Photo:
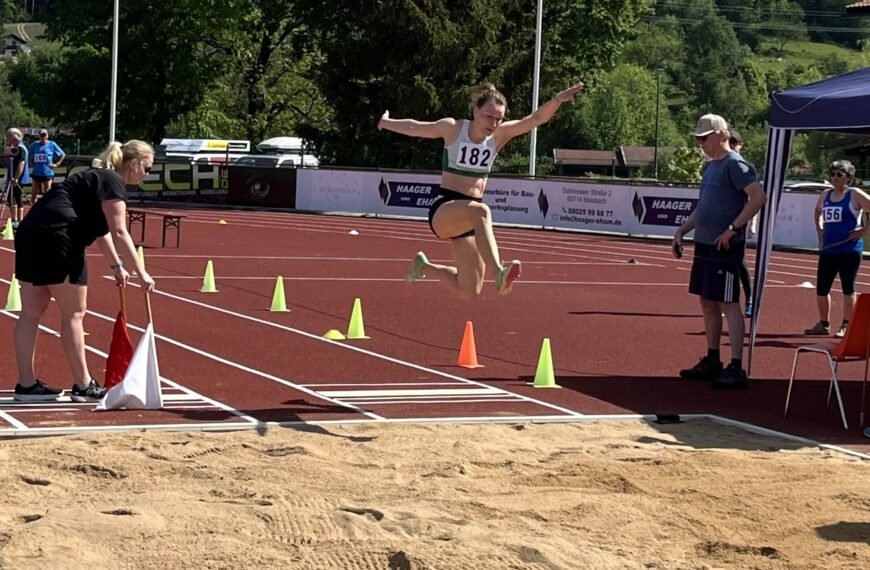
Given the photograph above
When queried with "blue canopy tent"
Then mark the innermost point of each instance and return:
(840, 104)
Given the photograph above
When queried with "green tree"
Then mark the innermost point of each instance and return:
(683, 165)
(418, 59)
(163, 68)
(785, 22)
(621, 111)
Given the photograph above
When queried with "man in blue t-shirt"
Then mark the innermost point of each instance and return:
(729, 196)
(45, 156)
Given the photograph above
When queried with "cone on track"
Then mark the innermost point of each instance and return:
(8, 234)
(140, 251)
(544, 375)
(208, 279)
(334, 334)
(222, 222)
(356, 329)
(13, 298)
(468, 350)
(279, 304)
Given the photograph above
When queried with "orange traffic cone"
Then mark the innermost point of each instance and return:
(468, 350)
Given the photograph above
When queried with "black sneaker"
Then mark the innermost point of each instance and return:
(37, 392)
(732, 378)
(706, 369)
(92, 393)
(747, 312)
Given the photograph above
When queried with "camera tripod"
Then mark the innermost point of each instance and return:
(7, 191)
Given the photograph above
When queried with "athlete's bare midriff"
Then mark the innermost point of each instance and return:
(469, 185)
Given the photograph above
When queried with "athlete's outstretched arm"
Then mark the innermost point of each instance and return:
(438, 130)
(544, 113)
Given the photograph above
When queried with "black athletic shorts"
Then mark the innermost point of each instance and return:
(449, 196)
(716, 273)
(14, 195)
(47, 256)
(830, 264)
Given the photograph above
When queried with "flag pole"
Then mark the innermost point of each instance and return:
(148, 306)
(123, 302)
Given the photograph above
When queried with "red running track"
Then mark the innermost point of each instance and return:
(619, 332)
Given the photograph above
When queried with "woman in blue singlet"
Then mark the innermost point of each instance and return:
(459, 214)
(839, 222)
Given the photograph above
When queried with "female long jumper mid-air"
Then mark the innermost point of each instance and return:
(459, 214)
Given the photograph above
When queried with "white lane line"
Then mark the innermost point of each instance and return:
(318, 338)
(247, 369)
(419, 393)
(215, 403)
(12, 421)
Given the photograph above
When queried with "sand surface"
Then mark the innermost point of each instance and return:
(591, 495)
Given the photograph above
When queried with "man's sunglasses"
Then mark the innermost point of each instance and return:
(837, 174)
(703, 138)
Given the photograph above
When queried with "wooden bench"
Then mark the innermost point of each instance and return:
(170, 220)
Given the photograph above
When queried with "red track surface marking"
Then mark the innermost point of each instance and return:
(619, 331)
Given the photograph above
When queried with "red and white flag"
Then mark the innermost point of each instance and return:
(120, 352)
(140, 388)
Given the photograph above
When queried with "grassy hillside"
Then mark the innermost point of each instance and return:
(807, 53)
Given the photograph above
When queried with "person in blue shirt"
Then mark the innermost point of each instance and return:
(728, 198)
(45, 156)
(838, 221)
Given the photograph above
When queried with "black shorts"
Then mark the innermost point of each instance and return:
(449, 196)
(37, 178)
(830, 264)
(716, 273)
(47, 256)
(13, 195)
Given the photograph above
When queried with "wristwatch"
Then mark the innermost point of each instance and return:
(732, 228)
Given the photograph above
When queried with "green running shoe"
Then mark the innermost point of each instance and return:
(505, 277)
(417, 266)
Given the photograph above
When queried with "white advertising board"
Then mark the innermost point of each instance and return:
(598, 207)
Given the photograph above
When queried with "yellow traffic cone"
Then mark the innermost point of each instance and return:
(13, 298)
(356, 329)
(544, 376)
(222, 222)
(208, 279)
(8, 234)
(279, 304)
(333, 334)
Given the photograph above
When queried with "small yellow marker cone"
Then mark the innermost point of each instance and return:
(8, 234)
(208, 279)
(356, 329)
(279, 304)
(334, 334)
(544, 376)
(222, 222)
(13, 298)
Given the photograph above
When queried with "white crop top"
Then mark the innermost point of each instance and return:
(469, 158)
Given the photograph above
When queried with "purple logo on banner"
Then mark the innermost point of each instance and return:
(407, 194)
(662, 211)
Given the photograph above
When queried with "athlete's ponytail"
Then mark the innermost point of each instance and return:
(483, 94)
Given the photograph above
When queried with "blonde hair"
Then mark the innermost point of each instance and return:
(116, 154)
(15, 133)
(483, 94)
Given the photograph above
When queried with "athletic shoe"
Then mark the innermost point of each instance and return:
(818, 328)
(706, 369)
(417, 266)
(748, 310)
(732, 378)
(37, 392)
(505, 277)
(841, 332)
(93, 392)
